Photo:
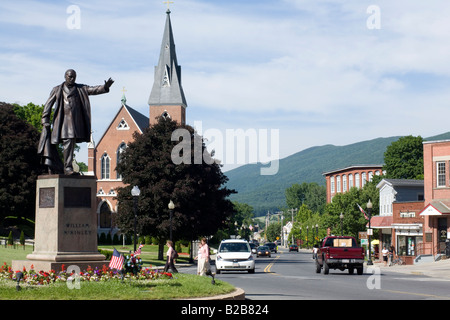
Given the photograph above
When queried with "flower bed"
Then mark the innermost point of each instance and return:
(32, 277)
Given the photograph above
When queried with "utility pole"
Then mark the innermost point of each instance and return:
(292, 221)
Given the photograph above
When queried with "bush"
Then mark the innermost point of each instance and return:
(10, 238)
(22, 238)
(106, 253)
(102, 238)
(108, 239)
(116, 239)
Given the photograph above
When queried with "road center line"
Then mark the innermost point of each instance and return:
(269, 266)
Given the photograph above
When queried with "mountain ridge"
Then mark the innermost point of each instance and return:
(266, 193)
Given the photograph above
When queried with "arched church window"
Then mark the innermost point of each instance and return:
(165, 115)
(120, 150)
(105, 216)
(123, 125)
(105, 166)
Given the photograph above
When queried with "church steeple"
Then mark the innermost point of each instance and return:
(167, 96)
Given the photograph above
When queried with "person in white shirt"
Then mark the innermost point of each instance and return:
(385, 253)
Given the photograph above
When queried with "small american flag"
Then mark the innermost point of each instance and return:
(138, 251)
(361, 209)
(116, 260)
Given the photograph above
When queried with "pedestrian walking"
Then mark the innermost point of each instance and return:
(198, 257)
(203, 260)
(385, 253)
(391, 254)
(171, 257)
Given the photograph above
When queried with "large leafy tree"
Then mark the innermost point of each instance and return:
(201, 201)
(310, 194)
(404, 158)
(31, 113)
(19, 165)
(347, 204)
(238, 224)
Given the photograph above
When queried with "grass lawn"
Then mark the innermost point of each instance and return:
(149, 254)
(8, 254)
(180, 287)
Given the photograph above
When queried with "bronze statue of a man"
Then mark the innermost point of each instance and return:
(71, 121)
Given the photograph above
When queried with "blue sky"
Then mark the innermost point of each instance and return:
(311, 69)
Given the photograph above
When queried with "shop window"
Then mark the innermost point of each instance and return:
(440, 170)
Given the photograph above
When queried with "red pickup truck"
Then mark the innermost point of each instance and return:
(340, 253)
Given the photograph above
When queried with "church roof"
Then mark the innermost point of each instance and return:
(141, 121)
(167, 89)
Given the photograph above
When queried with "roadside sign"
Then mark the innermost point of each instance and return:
(362, 235)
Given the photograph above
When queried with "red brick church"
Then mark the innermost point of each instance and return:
(166, 100)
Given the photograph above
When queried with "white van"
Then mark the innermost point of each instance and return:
(234, 255)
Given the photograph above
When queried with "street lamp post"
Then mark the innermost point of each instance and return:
(307, 236)
(171, 206)
(317, 232)
(300, 237)
(341, 216)
(369, 209)
(135, 192)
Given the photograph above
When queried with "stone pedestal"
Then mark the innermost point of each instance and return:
(66, 224)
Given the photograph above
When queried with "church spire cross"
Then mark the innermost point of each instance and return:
(124, 99)
(168, 5)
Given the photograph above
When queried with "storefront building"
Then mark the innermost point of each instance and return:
(401, 201)
(436, 213)
(407, 229)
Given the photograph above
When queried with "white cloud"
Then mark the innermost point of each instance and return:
(310, 68)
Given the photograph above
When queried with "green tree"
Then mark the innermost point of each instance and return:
(310, 194)
(201, 202)
(404, 158)
(30, 113)
(347, 204)
(305, 229)
(237, 224)
(273, 231)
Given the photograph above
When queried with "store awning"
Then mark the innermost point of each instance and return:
(436, 208)
(380, 222)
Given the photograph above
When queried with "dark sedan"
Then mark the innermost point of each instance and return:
(263, 251)
(272, 246)
(293, 247)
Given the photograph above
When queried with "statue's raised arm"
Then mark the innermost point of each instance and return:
(71, 120)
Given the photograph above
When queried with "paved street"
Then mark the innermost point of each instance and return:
(291, 276)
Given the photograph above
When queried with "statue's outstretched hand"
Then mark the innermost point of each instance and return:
(109, 82)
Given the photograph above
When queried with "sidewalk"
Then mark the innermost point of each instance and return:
(438, 269)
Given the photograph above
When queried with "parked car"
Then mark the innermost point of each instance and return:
(253, 247)
(272, 246)
(293, 247)
(234, 255)
(263, 251)
(340, 253)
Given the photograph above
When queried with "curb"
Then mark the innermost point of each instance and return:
(238, 294)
